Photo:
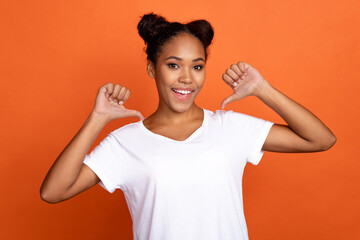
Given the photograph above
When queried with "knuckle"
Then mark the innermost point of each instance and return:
(102, 87)
(106, 86)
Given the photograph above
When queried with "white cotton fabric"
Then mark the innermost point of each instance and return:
(178, 190)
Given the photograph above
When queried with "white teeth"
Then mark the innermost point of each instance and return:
(182, 91)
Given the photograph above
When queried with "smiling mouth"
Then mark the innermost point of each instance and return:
(182, 92)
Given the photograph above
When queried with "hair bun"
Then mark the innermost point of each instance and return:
(155, 30)
(150, 25)
(203, 30)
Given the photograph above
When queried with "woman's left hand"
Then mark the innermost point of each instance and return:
(244, 80)
(304, 132)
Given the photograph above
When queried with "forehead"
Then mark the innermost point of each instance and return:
(183, 46)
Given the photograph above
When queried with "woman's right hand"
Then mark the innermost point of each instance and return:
(110, 100)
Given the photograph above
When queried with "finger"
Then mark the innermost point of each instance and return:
(126, 96)
(228, 80)
(102, 90)
(233, 75)
(243, 66)
(134, 113)
(233, 97)
(122, 94)
(109, 89)
(236, 69)
(228, 100)
(115, 92)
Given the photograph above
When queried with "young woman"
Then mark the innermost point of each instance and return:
(181, 168)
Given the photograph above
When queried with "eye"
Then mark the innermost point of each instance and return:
(173, 65)
(198, 67)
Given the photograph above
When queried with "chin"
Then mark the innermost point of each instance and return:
(181, 108)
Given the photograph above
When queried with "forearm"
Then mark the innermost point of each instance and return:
(300, 120)
(66, 167)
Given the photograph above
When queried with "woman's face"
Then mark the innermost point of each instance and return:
(179, 72)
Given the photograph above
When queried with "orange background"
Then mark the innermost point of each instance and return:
(56, 54)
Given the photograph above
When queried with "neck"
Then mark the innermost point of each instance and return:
(169, 116)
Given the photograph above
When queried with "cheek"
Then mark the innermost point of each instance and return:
(200, 78)
(165, 76)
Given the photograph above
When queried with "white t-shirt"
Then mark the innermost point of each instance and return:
(178, 190)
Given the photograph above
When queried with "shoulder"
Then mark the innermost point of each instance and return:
(126, 129)
(229, 115)
(235, 121)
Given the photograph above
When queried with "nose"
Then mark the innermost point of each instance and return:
(185, 77)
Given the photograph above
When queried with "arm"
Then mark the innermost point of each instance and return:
(304, 132)
(68, 176)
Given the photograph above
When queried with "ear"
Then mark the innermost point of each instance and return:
(151, 69)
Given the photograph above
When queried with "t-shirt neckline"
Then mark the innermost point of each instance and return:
(173, 140)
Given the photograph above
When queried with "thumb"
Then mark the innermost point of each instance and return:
(134, 113)
(228, 100)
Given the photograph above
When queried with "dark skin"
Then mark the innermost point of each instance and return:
(181, 65)
(179, 75)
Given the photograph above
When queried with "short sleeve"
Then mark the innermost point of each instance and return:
(257, 141)
(107, 162)
(250, 132)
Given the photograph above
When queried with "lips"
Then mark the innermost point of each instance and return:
(182, 93)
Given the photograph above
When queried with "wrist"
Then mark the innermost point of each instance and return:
(263, 90)
(98, 118)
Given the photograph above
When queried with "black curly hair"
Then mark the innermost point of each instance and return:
(156, 31)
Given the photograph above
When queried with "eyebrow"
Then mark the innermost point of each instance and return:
(180, 59)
